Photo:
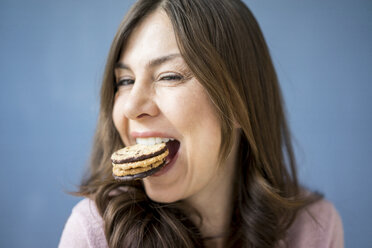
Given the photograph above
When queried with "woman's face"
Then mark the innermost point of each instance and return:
(158, 96)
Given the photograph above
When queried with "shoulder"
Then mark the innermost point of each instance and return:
(87, 211)
(318, 225)
(84, 227)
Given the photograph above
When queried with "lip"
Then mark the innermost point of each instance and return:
(149, 134)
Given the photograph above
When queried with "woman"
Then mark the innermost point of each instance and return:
(198, 72)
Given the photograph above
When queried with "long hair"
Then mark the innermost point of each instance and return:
(222, 44)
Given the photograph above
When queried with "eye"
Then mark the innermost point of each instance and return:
(125, 82)
(171, 77)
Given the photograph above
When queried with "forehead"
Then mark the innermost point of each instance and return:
(152, 37)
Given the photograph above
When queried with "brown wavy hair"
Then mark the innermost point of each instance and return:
(223, 46)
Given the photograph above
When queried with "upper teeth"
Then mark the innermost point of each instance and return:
(152, 140)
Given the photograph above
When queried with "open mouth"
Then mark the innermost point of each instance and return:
(150, 156)
(173, 147)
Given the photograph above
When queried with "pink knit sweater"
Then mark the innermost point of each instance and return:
(84, 228)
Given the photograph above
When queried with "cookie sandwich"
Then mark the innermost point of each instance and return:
(145, 158)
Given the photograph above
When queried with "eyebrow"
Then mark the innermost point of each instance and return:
(152, 63)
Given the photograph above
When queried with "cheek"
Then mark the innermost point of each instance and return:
(194, 116)
(202, 120)
(116, 116)
(205, 138)
(203, 143)
(119, 119)
(189, 109)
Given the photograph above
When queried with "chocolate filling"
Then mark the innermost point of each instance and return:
(139, 158)
(140, 175)
(172, 146)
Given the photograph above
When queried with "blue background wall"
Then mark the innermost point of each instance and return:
(52, 55)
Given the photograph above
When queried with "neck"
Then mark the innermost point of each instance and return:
(214, 203)
(215, 210)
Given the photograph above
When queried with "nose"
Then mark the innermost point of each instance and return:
(140, 101)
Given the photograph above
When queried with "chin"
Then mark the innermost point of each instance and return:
(168, 185)
(161, 196)
(162, 193)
